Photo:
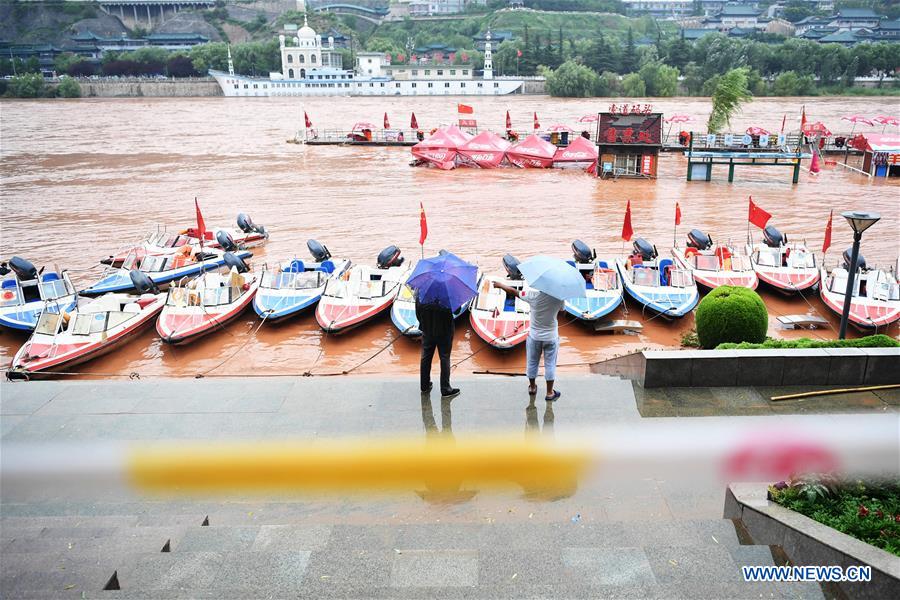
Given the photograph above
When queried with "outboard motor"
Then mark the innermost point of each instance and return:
(318, 251)
(23, 269)
(232, 260)
(142, 283)
(3, 269)
(511, 264)
(773, 238)
(389, 257)
(581, 253)
(860, 260)
(699, 240)
(226, 241)
(645, 249)
(246, 224)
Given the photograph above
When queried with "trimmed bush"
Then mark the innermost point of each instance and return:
(870, 341)
(731, 314)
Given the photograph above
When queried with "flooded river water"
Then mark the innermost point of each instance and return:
(82, 178)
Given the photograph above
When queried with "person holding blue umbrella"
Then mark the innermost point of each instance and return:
(553, 281)
(442, 285)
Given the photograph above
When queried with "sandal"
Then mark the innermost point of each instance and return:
(554, 397)
(532, 390)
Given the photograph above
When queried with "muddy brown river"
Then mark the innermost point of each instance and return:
(83, 178)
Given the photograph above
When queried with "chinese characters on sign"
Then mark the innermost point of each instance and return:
(633, 109)
(635, 129)
(468, 123)
(647, 164)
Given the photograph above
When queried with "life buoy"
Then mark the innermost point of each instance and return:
(8, 295)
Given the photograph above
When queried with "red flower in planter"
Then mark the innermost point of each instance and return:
(897, 518)
(862, 512)
(879, 514)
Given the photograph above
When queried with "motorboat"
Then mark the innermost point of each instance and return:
(498, 319)
(786, 266)
(403, 311)
(206, 303)
(164, 269)
(296, 285)
(602, 285)
(246, 235)
(875, 302)
(657, 284)
(27, 292)
(714, 265)
(361, 292)
(64, 339)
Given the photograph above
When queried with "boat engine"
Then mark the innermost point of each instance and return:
(318, 251)
(142, 283)
(226, 241)
(860, 260)
(581, 253)
(389, 257)
(645, 249)
(23, 269)
(246, 224)
(699, 240)
(3, 269)
(233, 260)
(773, 238)
(511, 264)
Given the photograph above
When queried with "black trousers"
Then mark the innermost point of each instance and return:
(443, 345)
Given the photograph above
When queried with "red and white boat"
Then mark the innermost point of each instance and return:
(361, 292)
(714, 265)
(876, 295)
(786, 266)
(498, 319)
(247, 235)
(205, 304)
(63, 340)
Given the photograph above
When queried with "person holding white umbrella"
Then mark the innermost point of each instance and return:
(553, 281)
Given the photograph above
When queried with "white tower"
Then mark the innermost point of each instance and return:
(230, 62)
(488, 61)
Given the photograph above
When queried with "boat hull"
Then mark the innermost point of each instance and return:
(865, 313)
(788, 282)
(120, 281)
(713, 279)
(338, 318)
(24, 317)
(180, 327)
(668, 303)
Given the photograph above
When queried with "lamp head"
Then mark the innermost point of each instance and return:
(861, 220)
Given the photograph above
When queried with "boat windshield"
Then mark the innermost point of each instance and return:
(51, 290)
(839, 284)
(680, 278)
(88, 323)
(801, 259)
(768, 257)
(217, 296)
(646, 277)
(406, 294)
(306, 280)
(605, 280)
(884, 288)
(154, 264)
(10, 293)
(48, 323)
(706, 262)
(739, 262)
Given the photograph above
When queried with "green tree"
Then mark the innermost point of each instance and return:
(609, 84)
(572, 80)
(730, 92)
(790, 83)
(629, 60)
(849, 77)
(693, 79)
(633, 86)
(65, 60)
(678, 53)
(27, 85)
(659, 80)
(68, 88)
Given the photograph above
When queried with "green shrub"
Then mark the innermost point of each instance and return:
(870, 341)
(731, 314)
(68, 88)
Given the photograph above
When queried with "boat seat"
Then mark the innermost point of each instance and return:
(571, 262)
(9, 283)
(664, 264)
(296, 266)
(510, 304)
(603, 264)
(49, 277)
(144, 302)
(131, 307)
(588, 284)
(326, 267)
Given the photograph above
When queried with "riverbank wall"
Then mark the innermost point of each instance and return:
(151, 88)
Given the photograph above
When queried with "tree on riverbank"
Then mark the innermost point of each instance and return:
(730, 92)
(573, 80)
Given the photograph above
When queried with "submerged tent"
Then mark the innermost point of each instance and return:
(581, 152)
(532, 152)
(441, 147)
(485, 150)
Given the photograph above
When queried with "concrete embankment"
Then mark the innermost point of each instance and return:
(129, 88)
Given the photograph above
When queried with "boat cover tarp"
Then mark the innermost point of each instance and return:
(882, 142)
(440, 148)
(532, 152)
(581, 150)
(485, 150)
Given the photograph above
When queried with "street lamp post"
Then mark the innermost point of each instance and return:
(859, 221)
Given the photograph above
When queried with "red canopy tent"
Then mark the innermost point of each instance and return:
(441, 147)
(532, 152)
(485, 150)
(581, 152)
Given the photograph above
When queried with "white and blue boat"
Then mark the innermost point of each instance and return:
(602, 285)
(658, 284)
(26, 293)
(295, 286)
(403, 312)
(162, 270)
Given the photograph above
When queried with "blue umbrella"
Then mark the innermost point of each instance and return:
(553, 276)
(446, 280)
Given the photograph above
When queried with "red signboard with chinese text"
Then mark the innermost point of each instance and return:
(630, 109)
(468, 123)
(647, 164)
(630, 129)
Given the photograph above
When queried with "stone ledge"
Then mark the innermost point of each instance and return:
(808, 542)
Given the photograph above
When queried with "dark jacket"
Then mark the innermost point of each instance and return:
(435, 321)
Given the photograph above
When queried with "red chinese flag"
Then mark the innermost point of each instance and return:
(413, 124)
(518, 53)
(508, 121)
(465, 109)
(306, 118)
(802, 118)
(537, 124)
(827, 243)
(758, 216)
(627, 231)
(677, 214)
(387, 124)
(423, 225)
(201, 225)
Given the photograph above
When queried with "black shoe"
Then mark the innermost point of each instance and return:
(451, 393)
(429, 388)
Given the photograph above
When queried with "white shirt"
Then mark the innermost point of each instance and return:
(544, 308)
